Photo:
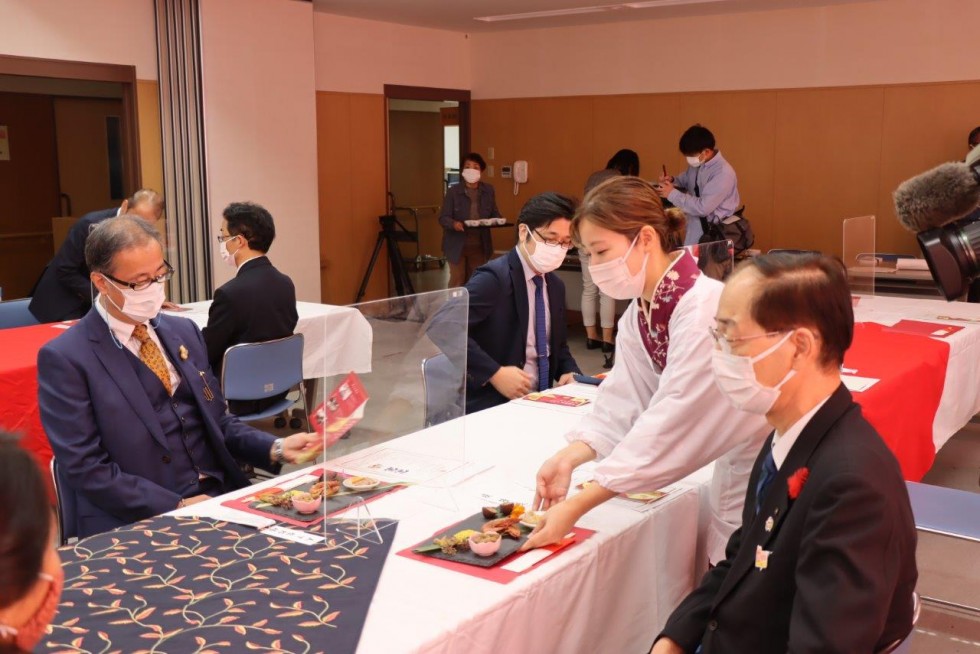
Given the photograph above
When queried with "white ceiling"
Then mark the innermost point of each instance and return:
(461, 15)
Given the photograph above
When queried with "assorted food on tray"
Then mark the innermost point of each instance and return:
(328, 493)
(485, 538)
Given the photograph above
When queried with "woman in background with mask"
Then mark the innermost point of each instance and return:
(467, 248)
(30, 569)
(624, 162)
(659, 416)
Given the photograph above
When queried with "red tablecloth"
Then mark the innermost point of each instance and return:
(18, 387)
(902, 405)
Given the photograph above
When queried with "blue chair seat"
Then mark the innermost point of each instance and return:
(15, 313)
(258, 371)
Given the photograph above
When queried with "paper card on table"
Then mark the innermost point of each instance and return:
(556, 399)
(858, 384)
(528, 560)
(390, 464)
(301, 537)
(337, 415)
(918, 327)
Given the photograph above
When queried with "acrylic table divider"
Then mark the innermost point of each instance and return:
(417, 379)
(860, 255)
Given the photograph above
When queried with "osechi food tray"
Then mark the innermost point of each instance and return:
(329, 492)
(478, 533)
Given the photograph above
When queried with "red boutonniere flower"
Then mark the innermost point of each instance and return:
(796, 481)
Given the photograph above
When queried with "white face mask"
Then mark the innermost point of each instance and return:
(693, 162)
(735, 376)
(471, 175)
(615, 280)
(226, 256)
(545, 258)
(143, 305)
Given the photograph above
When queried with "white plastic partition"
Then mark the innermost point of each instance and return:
(860, 254)
(415, 385)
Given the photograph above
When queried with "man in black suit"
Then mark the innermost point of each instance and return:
(63, 291)
(825, 557)
(259, 304)
(514, 347)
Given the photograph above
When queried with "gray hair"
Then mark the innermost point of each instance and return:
(148, 196)
(114, 235)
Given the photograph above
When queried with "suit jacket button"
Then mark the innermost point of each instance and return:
(165, 459)
(713, 625)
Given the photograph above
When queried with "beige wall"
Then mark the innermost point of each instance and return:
(361, 56)
(100, 31)
(260, 120)
(883, 42)
(806, 159)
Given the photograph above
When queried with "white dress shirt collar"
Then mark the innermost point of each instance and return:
(238, 269)
(123, 331)
(783, 443)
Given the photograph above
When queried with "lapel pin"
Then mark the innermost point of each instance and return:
(770, 523)
(761, 557)
(183, 353)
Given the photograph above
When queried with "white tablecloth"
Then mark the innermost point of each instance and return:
(610, 593)
(960, 400)
(336, 340)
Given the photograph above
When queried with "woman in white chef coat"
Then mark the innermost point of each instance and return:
(658, 416)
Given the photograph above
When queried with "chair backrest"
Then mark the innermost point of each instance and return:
(255, 371)
(443, 388)
(65, 504)
(15, 313)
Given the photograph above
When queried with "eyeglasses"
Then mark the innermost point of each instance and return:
(726, 343)
(565, 245)
(224, 237)
(145, 284)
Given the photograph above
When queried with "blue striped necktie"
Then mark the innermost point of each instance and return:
(541, 334)
(766, 475)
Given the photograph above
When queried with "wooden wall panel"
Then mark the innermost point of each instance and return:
(744, 125)
(828, 153)
(924, 126)
(648, 124)
(416, 161)
(151, 145)
(351, 169)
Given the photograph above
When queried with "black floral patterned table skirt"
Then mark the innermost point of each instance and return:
(195, 585)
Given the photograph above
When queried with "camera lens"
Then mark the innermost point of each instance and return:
(953, 255)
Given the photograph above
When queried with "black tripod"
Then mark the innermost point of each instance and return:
(392, 233)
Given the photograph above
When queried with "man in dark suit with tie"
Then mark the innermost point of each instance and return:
(135, 417)
(825, 558)
(63, 291)
(517, 330)
(259, 303)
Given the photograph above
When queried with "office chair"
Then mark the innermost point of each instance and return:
(14, 313)
(442, 387)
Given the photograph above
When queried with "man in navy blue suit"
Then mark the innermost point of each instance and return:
(134, 414)
(63, 291)
(517, 327)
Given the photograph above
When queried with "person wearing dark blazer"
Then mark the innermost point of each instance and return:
(63, 291)
(259, 303)
(135, 417)
(511, 351)
(824, 560)
(467, 248)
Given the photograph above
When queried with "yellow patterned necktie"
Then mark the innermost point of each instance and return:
(151, 355)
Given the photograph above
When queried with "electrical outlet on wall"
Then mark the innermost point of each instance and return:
(505, 172)
(490, 171)
(490, 153)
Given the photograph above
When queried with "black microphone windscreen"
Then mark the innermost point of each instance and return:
(936, 197)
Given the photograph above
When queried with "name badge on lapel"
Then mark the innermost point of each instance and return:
(770, 523)
(182, 352)
(208, 393)
(761, 557)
